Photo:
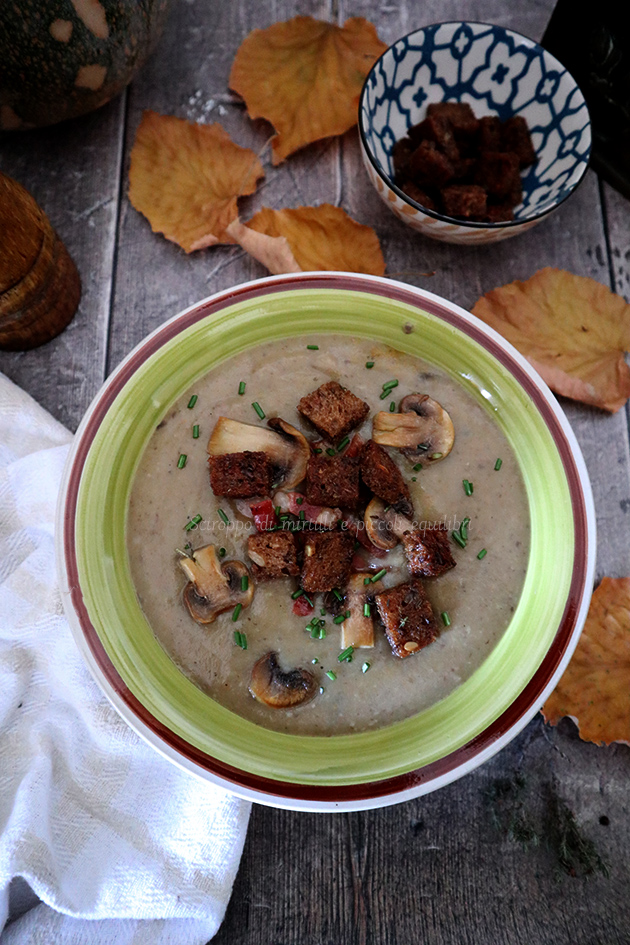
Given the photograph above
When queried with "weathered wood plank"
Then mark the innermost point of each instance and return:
(189, 78)
(617, 209)
(73, 171)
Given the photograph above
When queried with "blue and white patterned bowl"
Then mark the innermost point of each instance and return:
(497, 72)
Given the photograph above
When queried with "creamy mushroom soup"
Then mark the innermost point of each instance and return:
(475, 492)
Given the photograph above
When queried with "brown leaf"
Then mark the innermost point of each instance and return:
(573, 330)
(322, 237)
(273, 252)
(305, 76)
(595, 688)
(186, 177)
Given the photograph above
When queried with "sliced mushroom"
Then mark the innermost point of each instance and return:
(384, 526)
(422, 430)
(358, 629)
(286, 447)
(279, 689)
(214, 587)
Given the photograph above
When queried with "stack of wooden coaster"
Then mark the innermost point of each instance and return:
(39, 283)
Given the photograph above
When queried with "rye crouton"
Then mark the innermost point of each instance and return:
(428, 551)
(240, 475)
(333, 410)
(464, 200)
(274, 555)
(516, 138)
(408, 617)
(332, 481)
(383, 477)
(327, 561)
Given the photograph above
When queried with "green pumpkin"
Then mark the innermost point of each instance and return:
(63, 58)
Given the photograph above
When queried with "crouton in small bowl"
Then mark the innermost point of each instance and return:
(472, 133)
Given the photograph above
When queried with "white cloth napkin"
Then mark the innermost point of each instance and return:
(120, 845)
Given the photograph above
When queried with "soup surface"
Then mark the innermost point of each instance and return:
(374, 688)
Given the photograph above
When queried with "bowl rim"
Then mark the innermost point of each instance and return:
(374, 793)
(469, 224)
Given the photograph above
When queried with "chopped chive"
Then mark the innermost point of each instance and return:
(222, 552)
(482, 553)
(321, 690)
(302, 515)
(331, 675)
(181, 462)
(299, 500)
(369, 364)
(237, 637)
(314, 660)
(243, 641)
(296, 594)
(192, 401)
(365, 667)
(323, 611)
(367, 580)
(468, 486)
(307, 599)
(237, 612)
(259, 410)
(223, 516)
(241, 388)
(413, 479)
(191, 524)
(244, 582)
(367, 610)
(315, 633)
(349, 650)
(339, 618)
(417, 467)
(331, 452)
(389, 385)
(446, 620)
(347, 614)
(458, 538)
(343, 444)
(463, 528)
(379, 575)
(317, 451)
(322, 633)
(196, 432)
(313, 347)
(337, 593)
(392, 406)
(436, 455)
(498, 464)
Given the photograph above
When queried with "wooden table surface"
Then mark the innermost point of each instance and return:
(437, 869)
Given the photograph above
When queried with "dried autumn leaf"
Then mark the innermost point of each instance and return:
(572, 329)
(305, 76)
(186, 177)
(595, 688)
(322, 237)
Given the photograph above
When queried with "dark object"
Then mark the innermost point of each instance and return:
(333, 410)
(39, 283)
(60, 59)
(327, 561)
(332, 481)
(428, 551)
(383, 477)
(467, 168)
(274, 555)
(240, 475)
(592, 41)
(407, 614)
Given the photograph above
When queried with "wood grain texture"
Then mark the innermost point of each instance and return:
(73, 171)
(432, 870)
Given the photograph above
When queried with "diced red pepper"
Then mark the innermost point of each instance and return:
(264, 515)
(301, 607)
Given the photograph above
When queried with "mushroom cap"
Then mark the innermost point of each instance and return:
(277, 688)
(384, 525)
(287, 449)
(423, 430)
(214, 587)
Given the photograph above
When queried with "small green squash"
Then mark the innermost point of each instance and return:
(63, 58)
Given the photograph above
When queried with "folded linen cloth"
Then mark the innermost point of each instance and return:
(119, 844)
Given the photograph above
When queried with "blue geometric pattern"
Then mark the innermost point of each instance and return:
(498, 72)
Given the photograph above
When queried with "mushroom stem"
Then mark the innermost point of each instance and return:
(358, 629)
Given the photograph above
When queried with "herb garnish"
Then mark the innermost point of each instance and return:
(259, 410)
(181, 462)
(193, 400)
